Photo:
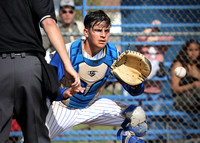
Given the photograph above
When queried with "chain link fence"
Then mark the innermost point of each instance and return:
(168, 24)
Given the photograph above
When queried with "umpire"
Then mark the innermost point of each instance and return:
(21, 74)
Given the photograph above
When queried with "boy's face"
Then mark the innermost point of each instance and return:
(98, 35)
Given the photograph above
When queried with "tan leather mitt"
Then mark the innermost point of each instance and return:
(131, 68)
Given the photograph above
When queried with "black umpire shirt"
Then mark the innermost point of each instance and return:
(19, 24)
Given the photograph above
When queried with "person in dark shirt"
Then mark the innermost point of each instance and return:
(186, 90)
(21, 73)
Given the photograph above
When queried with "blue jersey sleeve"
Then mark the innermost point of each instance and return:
(134, 90)
(60, 97)
(56, 61)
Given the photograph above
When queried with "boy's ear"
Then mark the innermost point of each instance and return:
(86, 32)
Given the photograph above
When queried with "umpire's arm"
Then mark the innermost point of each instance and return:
(50, 27)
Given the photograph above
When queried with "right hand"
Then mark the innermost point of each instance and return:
(71, 91)
(73, 78)
(196, 84)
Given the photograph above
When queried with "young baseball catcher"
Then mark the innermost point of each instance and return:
(95, 59)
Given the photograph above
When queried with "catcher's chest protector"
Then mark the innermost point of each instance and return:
(93, 73)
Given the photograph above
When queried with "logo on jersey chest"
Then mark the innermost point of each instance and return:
(92, 73)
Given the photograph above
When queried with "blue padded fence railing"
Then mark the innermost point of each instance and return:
(135, 43)
(154, 7)
(107, 135)
(148, 43)
(110, 135)
(85, 7)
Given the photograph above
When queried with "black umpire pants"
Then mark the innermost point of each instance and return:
(21, 93)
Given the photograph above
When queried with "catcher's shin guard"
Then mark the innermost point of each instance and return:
(134, 123)
(132, 139)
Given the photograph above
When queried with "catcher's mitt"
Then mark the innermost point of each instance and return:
(131, 68)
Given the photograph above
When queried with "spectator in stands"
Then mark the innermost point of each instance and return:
(66, 23)
(155, 53)
(186, 90)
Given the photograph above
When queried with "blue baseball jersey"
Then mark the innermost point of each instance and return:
(93, 73)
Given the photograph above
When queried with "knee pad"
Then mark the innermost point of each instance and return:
(132, 139)
(135, 114)
(135, 122)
